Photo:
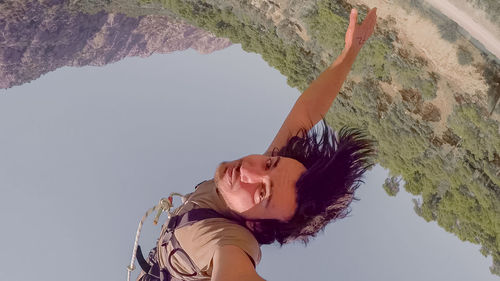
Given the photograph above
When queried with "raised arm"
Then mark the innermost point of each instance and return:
(315, 101)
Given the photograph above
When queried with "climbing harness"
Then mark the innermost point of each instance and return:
(152, 267)
(153, 270)
(164, 205)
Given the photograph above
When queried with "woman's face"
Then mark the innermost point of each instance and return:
(259, 186)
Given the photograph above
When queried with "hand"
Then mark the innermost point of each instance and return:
(357, 34)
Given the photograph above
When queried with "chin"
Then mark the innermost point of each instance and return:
(219, 173)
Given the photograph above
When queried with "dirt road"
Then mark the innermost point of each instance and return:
(476, 30)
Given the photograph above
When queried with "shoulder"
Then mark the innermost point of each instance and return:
(217, 232)
(231, 263)
(203, 238)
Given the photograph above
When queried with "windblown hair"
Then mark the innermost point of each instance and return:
(335, 165)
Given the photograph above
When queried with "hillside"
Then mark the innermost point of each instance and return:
(41, 36)
(419, 87)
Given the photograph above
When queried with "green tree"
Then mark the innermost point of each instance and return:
(391, 185)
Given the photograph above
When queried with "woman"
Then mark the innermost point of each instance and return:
(304, 180)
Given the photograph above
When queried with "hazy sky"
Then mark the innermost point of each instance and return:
(84, 152)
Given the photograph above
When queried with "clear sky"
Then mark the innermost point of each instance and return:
(84, 152)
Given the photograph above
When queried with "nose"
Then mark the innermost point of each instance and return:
(251, 173)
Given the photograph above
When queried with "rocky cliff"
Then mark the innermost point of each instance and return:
(41, 36)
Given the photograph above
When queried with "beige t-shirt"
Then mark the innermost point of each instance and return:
(201, 239)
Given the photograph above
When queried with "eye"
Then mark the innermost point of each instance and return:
(262, 193)
(269, 162)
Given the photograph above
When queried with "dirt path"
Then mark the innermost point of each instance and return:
(475, 29)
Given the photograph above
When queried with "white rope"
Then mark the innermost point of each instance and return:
(164, 205)
(131, 267)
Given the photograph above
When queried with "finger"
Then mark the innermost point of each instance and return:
(371, 19)
(353, 19)
(372, 15)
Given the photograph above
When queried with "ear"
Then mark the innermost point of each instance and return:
(253, 225)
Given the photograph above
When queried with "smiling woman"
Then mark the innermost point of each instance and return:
(334, 167)
(259, 186)
(89, 148)
(304, 180)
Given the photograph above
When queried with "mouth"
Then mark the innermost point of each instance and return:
(229, 176)
(232, 173)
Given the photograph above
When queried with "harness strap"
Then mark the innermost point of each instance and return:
(191, 217)
(188, 218)
(142, 261)
(176, 222)
(153, 272)
(176, 247)
(150, 266)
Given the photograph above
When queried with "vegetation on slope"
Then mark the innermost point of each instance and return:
(491, 7)
(456, 174)
(298, 64)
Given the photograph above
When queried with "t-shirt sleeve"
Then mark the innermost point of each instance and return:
(238, 235)
(202, 239)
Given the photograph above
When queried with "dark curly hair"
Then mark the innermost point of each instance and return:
(335, 165)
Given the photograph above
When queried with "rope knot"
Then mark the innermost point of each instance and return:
(164, 205)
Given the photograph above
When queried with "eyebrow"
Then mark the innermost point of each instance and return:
(268, 200)
(277, 161)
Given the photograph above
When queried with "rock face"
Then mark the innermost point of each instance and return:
(41, 36)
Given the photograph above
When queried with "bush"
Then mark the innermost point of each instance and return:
(464, 56)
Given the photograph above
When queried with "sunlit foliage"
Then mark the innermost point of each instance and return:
(391, 186)
(455, 174)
